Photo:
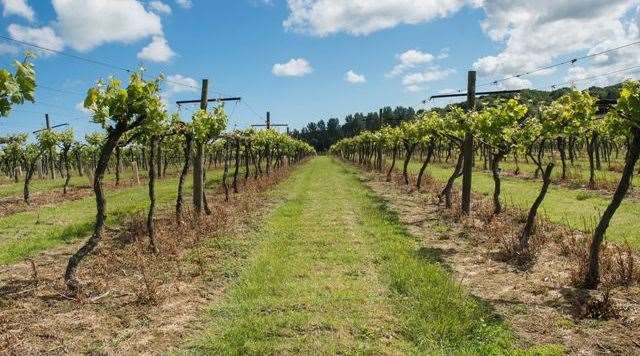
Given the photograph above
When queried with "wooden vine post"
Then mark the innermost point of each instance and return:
(467, 168)
(198, 161)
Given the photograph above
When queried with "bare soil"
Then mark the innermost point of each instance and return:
(132, 302)
(538, 303)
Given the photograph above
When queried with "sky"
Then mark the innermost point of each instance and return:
(307, 60)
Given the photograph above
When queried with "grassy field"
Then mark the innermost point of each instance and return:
(9, 189)
(335, 273)
(576, 208)
(23, 234)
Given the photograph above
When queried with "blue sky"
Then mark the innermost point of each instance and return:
(313, 59)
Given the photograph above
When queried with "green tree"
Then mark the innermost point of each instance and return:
(18, 87)
(66, 140)
(497, 126)
(118, 110)
(624, 118)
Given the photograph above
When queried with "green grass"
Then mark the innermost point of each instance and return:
(39, 185)
(577, 173)
(335, 273)
(26, 233)
(570, 207)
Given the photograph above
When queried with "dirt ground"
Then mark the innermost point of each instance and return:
(538, 304)
(132, 302)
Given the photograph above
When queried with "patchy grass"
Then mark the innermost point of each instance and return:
(335, 273)
(25, 233)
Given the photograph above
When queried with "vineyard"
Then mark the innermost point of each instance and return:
(504, 224)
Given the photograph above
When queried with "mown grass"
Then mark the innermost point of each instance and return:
(569, 207)
(335, 273)
(26, 233)
(46, 184)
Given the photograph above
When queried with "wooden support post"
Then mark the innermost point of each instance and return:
(136, 173)
(52, 168)
(198, 158)
(467, 168)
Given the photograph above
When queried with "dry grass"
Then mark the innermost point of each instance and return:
(539, 302)
(132, 300)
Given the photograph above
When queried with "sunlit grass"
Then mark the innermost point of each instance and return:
(335, 273)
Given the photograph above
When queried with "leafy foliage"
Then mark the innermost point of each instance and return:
(18, 87)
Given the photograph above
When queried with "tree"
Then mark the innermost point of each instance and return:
(497, 126)
(30, 156)
(48, 140)
(577, 118)
(392, 137)
(431, 127)
(535, 132)
(19, 87)
(66, 140)
(410, 138)
(456, 124)
(185, 132)
(12, 153)
(118, 110)
(149, 134)
(206, 126)
(624, 118)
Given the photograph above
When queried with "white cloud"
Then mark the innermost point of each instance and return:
(185, 4)
(80, 107)
(8, 49)
(448, 91)
(157, 51)
(85, 25)
(43, 36)
(178, 83)
(414, 88)
(354, 78)
(17, 7)
(538, 33)
(294, 68)
(515, 83)
(409, 59)
(429, 75)
(444, 53)
(414, 82)
(159, 7)
(362, 17)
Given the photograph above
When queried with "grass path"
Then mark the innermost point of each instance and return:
(23, 234)
(335, 273)
(574, 208)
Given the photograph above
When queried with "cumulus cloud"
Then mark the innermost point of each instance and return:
(409, 59)
(353, 78)
(414, 81)
(178, 83)
(42, 36)
(185, 4)
(157, 51)
(85, 25)
(538, 33)
(159, 7)
(362, 17)
(80, 107)
(294, 68)
(18, 8)
(8, 49)
(429, 75)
